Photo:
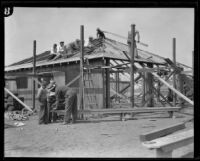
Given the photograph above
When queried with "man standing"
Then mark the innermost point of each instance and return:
(42, 98)
(70, 101)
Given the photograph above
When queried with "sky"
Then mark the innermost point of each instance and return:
(157, 28)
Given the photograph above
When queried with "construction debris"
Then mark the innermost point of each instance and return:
(15, 115)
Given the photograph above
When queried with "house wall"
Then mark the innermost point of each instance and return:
(67, 72)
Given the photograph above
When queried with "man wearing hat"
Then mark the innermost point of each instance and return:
(42, 98)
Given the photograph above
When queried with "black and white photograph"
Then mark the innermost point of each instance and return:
(99, 82)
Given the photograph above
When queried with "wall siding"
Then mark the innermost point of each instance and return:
(68, 73)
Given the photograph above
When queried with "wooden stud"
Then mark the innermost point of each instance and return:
(193, 62)
(174, 75)
(149, 86)
(104, 87)
(107, 72)
(132, 53)
(180, 88)
(34, 71)
(81, 92)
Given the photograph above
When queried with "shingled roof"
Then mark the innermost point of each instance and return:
(100, 49)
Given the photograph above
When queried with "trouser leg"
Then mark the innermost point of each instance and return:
(46, 116)
(50, 105)
(69, 100)
(74, 110)
(42, 113)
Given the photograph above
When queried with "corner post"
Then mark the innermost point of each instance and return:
(132, 53)
(34, 64)
(107, 71)
(174, 75)
(81, 83)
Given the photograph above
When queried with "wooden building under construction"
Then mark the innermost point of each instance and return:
(106, 74)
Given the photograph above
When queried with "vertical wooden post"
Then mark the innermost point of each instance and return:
(174, 75)
(117, 84)
(132, 53)
(180, 88)
(193, 62)
(34, 64)
(144, 89)
(149, 86)
(104, 86)
(81, 83)
(107, 84)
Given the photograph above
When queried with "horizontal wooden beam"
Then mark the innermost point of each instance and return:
(161, 132)
(125, 110)
(129, 110)
(187, 72)
(123, 82)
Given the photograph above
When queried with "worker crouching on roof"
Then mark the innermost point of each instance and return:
(70, 101)
(42, 98)
(100, 34)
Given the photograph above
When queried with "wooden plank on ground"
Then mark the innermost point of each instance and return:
(161, 132)
(190, 154)
(171, 142)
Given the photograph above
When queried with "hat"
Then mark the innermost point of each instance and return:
(98, 29)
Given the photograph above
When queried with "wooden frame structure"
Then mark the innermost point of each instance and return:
(147, 71)
(130, 65)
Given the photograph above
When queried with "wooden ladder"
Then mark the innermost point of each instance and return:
(90, 98)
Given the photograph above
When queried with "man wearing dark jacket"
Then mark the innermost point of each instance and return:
(42, 98)
(100, 34)
(67, 96)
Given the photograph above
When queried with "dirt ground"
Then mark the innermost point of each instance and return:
(106, 137)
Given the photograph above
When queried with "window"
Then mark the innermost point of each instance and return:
(22, 82)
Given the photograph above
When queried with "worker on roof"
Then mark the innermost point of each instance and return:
(53, 52)
(100, 34)
(61, 51)
(89, 43)
(72, 47)
(42, 98)
(77, 44)
(68, 97)
(54, 49)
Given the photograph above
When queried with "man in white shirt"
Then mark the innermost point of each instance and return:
(61, 49)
